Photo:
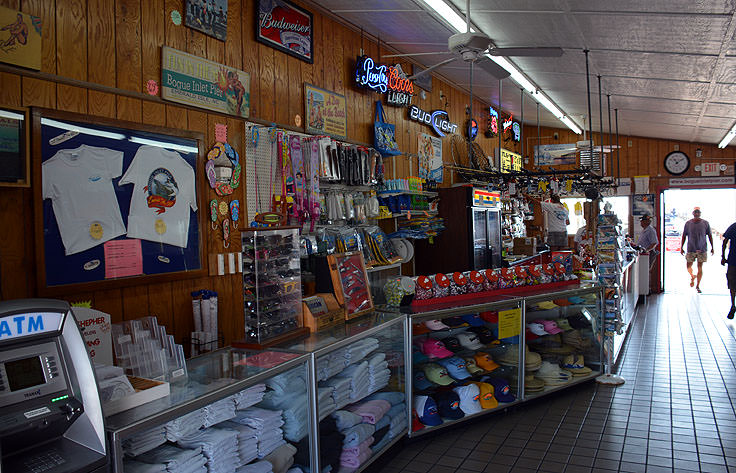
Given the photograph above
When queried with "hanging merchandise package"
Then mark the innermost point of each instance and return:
(371, 206)
(384, 134)
(383, 246)
(359, 205)
(368, 255)
(349, 239)
(349, 208)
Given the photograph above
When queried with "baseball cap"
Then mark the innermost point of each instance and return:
(415, 424)
(435, 349)
(646, 217)
(469, 398)
(502, 390)
(437, 374)
(550, 326)
(455, 367)
(491, 317)
(469, 340)
(473, 320)
(420, 380)
(484, 360)
(536, 328)
(563, 324)
(419, 329)
(529, 335)
(487, 400)
(472, 367)
(435, 325)
(484, 334)
(448, 405)
(454, 321)
(427, 411)
(452, 344)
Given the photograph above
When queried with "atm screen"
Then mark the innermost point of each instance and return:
(24, 373)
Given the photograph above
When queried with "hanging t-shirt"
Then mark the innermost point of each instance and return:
(79, 184)
(163, 194)
(557, 216)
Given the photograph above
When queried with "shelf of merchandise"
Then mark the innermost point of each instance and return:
(389, 193)
(391, 329)
(211, 377)
(384, 267)
(593, 295)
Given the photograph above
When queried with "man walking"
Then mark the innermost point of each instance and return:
(696, 229)
(730, 235)
(648, 240)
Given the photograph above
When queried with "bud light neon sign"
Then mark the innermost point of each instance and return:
(437, 119)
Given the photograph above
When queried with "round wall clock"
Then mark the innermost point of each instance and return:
(676, 163)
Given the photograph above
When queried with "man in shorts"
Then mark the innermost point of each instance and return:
(730, 235)
(696, 230)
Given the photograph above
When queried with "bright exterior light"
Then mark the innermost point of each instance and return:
(450, 15)
(727, 139)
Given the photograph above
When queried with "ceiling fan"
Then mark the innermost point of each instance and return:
(476, 47)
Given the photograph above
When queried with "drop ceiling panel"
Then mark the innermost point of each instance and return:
(715, 109)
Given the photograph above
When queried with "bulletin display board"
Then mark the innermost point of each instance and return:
(81, 238)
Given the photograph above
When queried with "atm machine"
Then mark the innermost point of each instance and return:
(51, 418)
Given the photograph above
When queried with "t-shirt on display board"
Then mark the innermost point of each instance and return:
(117, 202)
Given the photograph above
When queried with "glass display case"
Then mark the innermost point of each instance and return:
(237, 407)
(360, 389)
(271, 282)
(564, 339)
(465, 361)
(493, 352)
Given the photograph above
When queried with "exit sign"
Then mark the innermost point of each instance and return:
(710, 169)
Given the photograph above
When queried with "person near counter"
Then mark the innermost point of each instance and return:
(583, 240)
(648, 240)
(696, 230)
(730, 235)
(558, 218)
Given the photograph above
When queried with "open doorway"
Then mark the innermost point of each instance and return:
(718, 207)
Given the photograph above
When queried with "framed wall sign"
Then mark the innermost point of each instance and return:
(209, 17)
(286, 27)
(195, 81)
(325, 112)
(115, 202)
(15, 169)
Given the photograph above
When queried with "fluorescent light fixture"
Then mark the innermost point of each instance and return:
(81, 129)
(164, 144)
(458, 22)
(727, 139)
(12, 115)
(449, 15)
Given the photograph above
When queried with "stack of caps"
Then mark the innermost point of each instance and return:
(487, 398)
(184, 425)
(455, 367)
(531, 383)
(434, 349)
(426, 411)
(484, 361)
(144, 441)
(266, 424)
(448, 405)
(501, 389)
(219, 446)
(576, 365)
(219, 411)
(249, 397)
(378, 372)
(175, 459)
(469, 398)
(511, 358)
(247, 441)
(437, 374)
(553, 375)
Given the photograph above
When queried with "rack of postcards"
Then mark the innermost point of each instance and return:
(610, 244)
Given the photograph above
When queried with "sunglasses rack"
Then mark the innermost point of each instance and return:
(272, 293)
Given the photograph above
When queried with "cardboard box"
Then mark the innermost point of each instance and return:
(525, 246)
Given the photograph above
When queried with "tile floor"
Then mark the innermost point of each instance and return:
(675, 412)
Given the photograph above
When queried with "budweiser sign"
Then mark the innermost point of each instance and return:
(286, 27)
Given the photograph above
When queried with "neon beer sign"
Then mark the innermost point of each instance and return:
(383, 79)
(437, 119)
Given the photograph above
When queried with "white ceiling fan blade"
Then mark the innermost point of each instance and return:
(530, 52)
(431, 68)
(493, 69)
(417, 54)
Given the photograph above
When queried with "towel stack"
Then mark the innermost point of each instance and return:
(184, 425)
(249, 397)
(175, 459)
(219, 446)
(144, 441)
(261, 466)
(360, 349)
(378, 372)
(219, 411)
(266, 425)
(247, 441)
(132, 466)
(283, 396)
(393, 423)
(331, 364)
(288, 382)
(340, 390)
(356, 446)
(325, 401)
(359, 382)
(282, 458)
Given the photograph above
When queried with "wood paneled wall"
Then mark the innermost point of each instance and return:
(117, 43)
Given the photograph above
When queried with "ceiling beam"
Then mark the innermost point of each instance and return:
(715, 73)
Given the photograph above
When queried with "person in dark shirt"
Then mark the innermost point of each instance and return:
(730, 235)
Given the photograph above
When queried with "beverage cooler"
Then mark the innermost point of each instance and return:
(472, 236)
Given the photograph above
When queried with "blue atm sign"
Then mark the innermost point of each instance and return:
(21, 325)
